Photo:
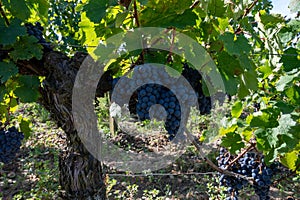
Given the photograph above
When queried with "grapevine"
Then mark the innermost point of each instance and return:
(255, 52)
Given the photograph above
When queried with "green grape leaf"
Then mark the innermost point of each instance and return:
(246, 62)
(284, 107)
(2, 92)
(285, 81)
(290, 142)
(266, 118)
(18, 8)
(231, 85)
(289, 61)
(237, 109)
(233, 142)
(90, 35)
(243, 90)
(265, 139)
(169, 19)
(285, 124)
(270, 20)
(25, 124)
(26, 48)
(247, 134)
(223, 23)
(290, 159)
(271, 156)
(249, 78)
(293, 93)
(7, 70)
(28, 88)
(155, 57)
(143, 2)
(8, 35)
(228, 126)
(96, 10)
(294, 25)
(3, 112)
(285, 35)
(164, 6)
(235, 46)
(39, 9)
(120, 18)
(216, 8)
(266, 70)
(13, 105)
(229, 64)
(208, 30)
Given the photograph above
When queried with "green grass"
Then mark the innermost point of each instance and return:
(35, 173)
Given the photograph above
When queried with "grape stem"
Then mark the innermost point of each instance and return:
(169, 59)
(252, 145)
(3, 14)
(246, 12)
(136, 16)
(195, 4)
(195, 142)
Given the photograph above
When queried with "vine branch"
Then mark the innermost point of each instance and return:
(195, 142)
(246, 12)
(195, 4)
(169, 59)
(136, 16)
(241, 155)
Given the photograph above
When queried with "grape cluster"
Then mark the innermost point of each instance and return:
(151, 94)
(153, 86)
(10, 142)
(195, 80)
(234, 184)
(250, 165)
(263, 179)
(37, 31)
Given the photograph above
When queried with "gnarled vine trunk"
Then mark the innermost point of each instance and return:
(81, 174)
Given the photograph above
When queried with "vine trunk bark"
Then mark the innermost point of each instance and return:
(81, 175)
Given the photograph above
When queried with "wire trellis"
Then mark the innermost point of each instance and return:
(161, 174)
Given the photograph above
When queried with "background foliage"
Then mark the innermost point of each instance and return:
(256, 52)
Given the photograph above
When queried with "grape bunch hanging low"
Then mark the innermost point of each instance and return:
(10, 143)
(250, 165)
(195, 80)
(151, 94)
